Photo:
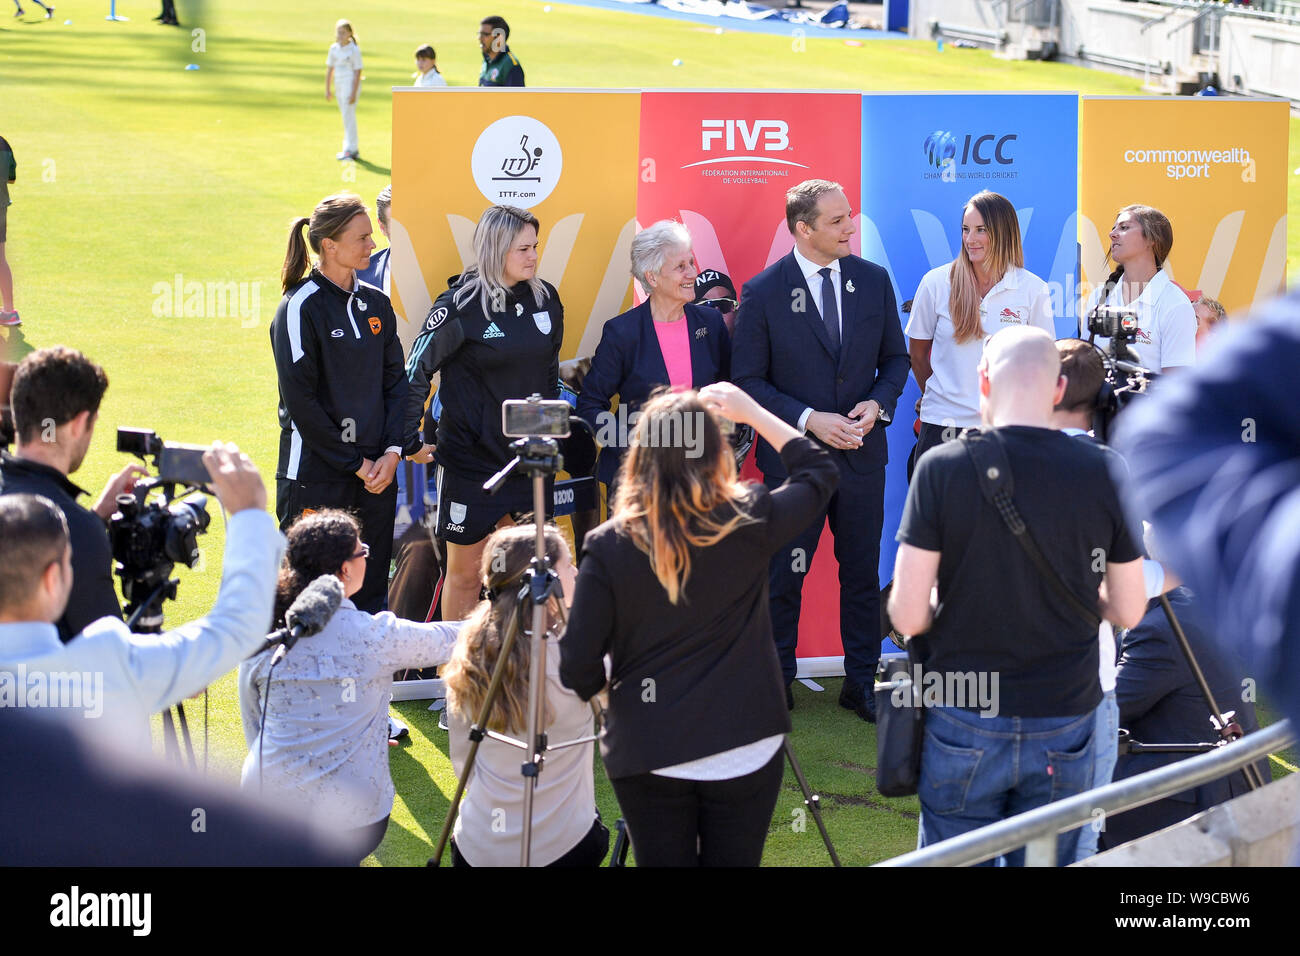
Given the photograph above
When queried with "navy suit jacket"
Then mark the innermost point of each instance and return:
(782, 354)
(1161, 703)
(628, 362)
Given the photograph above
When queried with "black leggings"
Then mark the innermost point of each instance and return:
(676, 822)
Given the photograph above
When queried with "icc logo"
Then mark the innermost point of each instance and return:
(518, 167)
(940, 146)
(775, 134)
(940, 149)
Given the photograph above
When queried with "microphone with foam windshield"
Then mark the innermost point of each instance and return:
(308, 614)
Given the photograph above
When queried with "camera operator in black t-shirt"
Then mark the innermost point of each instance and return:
(1085, 372)
(56, 395)
(1000, 628)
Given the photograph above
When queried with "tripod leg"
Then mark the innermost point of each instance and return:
(171, 748)
(185, 735)
(810, 800)
(1253, 781)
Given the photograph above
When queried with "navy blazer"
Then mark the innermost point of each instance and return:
(783, 354)
(628, 362)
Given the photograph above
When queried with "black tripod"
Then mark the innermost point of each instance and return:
(145, 616)
(1227, 728)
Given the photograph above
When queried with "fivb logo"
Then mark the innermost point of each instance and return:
(774, 134)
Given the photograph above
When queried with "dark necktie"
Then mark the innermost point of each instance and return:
(830, 314)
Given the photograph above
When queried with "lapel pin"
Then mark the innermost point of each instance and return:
(848, 286)
(701, 332)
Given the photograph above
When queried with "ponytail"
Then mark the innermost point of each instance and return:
(295, 257)
(328, 220)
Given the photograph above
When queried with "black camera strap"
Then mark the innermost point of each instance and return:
(993, 472)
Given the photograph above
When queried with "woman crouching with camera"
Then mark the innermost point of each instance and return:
(319, 738)
(567, 830)
(673, 589)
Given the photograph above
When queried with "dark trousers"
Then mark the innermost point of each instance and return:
(375, 512)
(856, 512)
(589, 851)
(699, 822)
(930, 436)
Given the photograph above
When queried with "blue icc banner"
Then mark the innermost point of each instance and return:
(923, 156)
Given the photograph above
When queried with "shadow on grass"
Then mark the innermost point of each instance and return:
(372, 167)
(14, 347)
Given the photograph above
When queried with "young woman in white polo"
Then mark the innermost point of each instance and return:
(986, 288)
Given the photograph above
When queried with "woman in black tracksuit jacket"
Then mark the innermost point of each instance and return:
(342, 386)
(494, 335)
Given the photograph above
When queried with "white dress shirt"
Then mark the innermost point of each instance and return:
(121, 678)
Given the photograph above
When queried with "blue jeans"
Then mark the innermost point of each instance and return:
(979, 770)
(1107, 749)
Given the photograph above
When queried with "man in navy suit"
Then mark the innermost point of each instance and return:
(818, 343)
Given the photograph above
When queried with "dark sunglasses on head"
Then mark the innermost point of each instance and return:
(721, 304)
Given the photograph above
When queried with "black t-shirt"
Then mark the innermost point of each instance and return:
(997, 615)
(93, 595)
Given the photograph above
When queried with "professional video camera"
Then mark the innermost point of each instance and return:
(1126, 378)
(148, 538)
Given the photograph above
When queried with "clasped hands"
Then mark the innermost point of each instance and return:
(845, 432)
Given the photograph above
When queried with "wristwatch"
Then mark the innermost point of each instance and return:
(881, 414)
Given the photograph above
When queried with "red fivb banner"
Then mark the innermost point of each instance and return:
(720, 163)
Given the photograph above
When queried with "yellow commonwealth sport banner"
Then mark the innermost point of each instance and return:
(568, 157)
(1216, 167)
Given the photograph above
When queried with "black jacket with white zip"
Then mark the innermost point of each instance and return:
(342, 379)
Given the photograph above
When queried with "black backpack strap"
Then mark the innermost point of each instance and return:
(993, 471)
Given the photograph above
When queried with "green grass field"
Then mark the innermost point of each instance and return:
(133, 170)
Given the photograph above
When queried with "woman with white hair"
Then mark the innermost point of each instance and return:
(666, 340)
(495, 335)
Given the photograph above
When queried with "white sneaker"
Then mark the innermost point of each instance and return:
(442, 720)
(396, 729)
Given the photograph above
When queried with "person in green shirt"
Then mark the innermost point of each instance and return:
(500, 67)
(8, 173)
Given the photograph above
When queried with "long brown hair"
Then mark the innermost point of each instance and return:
(1005, 251)
(330, 217)
(506, 557)
(1156, 229)
(672, 497)
(318, 543)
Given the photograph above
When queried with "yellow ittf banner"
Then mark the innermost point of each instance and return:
(1215, 167)
(569, 158)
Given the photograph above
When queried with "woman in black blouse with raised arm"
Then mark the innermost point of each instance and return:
(674, 589)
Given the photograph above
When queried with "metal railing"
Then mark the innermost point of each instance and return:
(1037, 829)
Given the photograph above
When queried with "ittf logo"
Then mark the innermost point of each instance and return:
(775, 134)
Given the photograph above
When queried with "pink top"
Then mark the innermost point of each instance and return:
(675, 344)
